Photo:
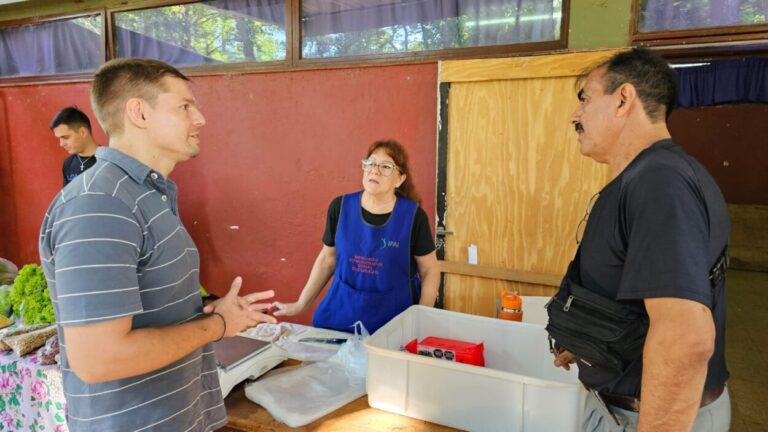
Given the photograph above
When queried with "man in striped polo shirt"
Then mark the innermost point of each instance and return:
(123, 271)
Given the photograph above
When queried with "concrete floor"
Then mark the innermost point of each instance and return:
(747, 350)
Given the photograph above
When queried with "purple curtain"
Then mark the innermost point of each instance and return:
(322, 17)
(726, 81)
(132, 44)
(272, 11)
(661, 15)
(48, 48)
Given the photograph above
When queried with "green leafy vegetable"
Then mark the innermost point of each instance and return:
(5, 301)
(30, 297)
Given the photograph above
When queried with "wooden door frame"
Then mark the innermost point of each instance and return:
(546, 66)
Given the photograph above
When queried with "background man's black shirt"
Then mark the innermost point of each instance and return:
(71, 166)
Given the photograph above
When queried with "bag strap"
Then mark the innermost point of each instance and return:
(718, 269)
(717, 272)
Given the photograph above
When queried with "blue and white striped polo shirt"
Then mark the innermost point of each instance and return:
(112, 245)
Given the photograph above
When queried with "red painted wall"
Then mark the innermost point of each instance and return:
(30, 161)
(276, 149)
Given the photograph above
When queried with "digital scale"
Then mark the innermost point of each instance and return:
(244, 356)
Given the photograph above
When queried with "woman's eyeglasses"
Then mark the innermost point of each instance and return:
(583, 223)
(386, 168)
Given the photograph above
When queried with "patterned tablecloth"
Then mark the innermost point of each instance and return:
(31, 396)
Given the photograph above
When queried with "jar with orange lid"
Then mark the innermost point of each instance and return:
(510, 306)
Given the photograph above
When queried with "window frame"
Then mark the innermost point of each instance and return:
(703, 35)
(59, 77)
(508, 50)
(293, 59)
(211, 69)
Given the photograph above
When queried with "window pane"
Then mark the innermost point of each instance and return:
(221, 31)
(72, 45)
(665, 15)
(337, 28)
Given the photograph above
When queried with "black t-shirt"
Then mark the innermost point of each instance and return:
(652, 233)
(72, 168)
(421, 236)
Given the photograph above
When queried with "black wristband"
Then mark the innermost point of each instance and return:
(223, 321)
(209, 298)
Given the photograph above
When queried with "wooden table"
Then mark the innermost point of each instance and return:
(356, 416)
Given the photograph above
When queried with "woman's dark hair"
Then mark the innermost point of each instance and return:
(398, 154)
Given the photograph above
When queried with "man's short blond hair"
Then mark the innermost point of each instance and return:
(118, 80)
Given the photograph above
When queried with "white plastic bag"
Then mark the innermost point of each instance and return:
(302, 394)
(353, 354)
(287, 335)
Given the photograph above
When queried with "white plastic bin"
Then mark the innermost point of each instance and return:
(534, 311)
(518, 390)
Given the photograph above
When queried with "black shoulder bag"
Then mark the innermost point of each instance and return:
(600, 331)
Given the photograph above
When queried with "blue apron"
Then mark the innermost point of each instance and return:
(372, 282)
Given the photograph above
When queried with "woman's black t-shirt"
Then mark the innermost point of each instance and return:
(422, 242)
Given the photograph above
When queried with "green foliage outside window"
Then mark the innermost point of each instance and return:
(220, 35)
(499, 23)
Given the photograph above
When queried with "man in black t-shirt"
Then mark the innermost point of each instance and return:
(652, 237)
(73, 130)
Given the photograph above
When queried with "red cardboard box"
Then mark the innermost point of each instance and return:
(448, 349)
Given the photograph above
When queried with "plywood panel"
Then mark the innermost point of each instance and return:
(517, 185)
(547, 66)
(478, 295)
(484, 271)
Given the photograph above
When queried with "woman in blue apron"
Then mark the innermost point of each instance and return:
(378, 246)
